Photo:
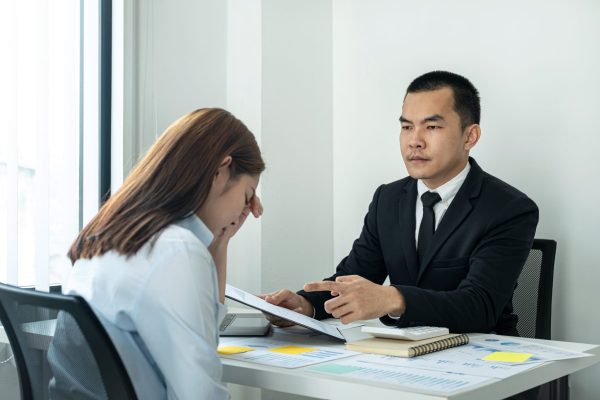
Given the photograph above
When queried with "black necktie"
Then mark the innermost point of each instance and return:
(429, 199)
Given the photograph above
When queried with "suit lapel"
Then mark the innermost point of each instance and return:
(459, 209)
(407, 228)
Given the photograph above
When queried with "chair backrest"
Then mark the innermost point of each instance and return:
(532, 299)
(83, 362)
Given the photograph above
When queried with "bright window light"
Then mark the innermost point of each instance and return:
(48, 109)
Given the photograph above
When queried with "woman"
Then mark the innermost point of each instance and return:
(152, 262)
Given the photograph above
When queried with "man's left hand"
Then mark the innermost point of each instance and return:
(357, 298)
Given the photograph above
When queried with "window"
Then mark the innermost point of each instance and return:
(49, 135)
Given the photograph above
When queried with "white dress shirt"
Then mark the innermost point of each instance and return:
(161, 309)
(447, 192)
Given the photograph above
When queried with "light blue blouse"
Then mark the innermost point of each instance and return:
(161, 309)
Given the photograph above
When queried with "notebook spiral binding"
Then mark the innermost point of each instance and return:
(439, 345)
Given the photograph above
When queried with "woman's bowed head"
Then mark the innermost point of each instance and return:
(207, 163)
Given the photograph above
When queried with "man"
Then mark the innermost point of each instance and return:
(452, 238)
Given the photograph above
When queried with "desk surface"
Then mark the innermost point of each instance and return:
(303, 382)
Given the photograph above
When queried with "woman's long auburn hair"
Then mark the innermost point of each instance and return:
(171, 182)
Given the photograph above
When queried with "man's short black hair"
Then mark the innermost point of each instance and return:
(466, 96)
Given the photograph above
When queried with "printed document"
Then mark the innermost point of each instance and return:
(466, 359)
(541, 352)
(278, 353)
(251, 300)
(438, 382)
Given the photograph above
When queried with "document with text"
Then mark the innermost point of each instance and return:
(465, 359)
(253, 301)
(418, 379)
(540, 352)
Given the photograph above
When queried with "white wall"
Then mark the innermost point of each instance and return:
(297, 229)
(180, 63)
(536, 65)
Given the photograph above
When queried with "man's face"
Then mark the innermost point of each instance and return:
(433, 145)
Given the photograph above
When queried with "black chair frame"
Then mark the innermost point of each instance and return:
(544, 308)
(111, 368)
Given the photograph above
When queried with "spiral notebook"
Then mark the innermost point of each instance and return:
(407, 348)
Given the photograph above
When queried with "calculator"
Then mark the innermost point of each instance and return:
(410, 333)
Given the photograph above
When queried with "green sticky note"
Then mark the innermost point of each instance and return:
(505, 356)
(334, 368)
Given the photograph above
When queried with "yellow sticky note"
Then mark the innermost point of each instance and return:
(229, 350)
(504, 356)
(291, 350)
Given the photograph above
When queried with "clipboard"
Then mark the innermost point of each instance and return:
(233, 293)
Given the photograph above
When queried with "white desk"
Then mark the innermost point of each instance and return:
(302, 382)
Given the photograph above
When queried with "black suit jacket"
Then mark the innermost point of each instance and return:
(469, 274)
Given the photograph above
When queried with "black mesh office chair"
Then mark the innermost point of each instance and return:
(532, 302)
(532, 299)
(82, 361)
